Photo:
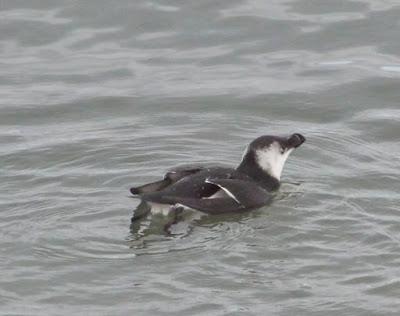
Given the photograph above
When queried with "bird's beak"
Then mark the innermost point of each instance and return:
(295, 140)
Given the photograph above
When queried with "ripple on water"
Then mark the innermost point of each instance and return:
(88, 249)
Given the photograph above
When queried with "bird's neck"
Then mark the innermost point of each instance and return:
(250, 167)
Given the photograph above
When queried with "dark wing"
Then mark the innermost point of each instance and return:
(239, 195)
(171, 177)
(182, 171)
(189, 186)
(151, 187)
(246, 193)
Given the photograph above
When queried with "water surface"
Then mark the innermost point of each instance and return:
(97, 96)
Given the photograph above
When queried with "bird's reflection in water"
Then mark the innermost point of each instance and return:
(179, 223)
(143, 223)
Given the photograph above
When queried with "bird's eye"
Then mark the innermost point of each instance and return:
(282, 150)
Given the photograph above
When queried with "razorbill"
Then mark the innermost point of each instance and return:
(215, 189)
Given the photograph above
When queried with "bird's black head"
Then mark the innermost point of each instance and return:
(268, 153)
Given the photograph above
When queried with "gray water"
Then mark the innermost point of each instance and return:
(97, 96)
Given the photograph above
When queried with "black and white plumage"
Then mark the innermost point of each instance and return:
(215, 189)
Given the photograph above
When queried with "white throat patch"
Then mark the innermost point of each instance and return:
(272, 160)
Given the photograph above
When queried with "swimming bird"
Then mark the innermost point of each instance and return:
(216, 189)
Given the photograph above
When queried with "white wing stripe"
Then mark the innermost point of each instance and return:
(229, 193)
